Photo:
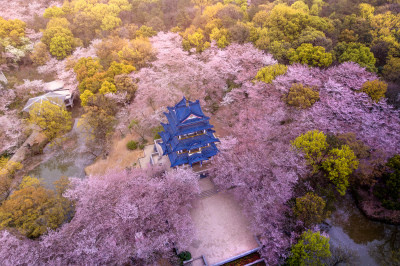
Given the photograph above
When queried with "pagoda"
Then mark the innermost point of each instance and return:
(188, 138)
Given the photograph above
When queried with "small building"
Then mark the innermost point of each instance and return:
(56, 89)
(56, 94)
(188, 138)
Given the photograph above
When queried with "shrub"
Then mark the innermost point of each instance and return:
(301, 97)
(375, 89)
(155, 131)
(132, 145)
(185, 255)
(268, 73)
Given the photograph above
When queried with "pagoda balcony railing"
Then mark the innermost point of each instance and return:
(198, 150)
(195, 135)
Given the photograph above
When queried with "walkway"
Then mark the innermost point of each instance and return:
(221, 227)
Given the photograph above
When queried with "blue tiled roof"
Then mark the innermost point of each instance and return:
(194, 142)
(184, 118)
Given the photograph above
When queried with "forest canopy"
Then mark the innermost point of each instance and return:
(304, 96)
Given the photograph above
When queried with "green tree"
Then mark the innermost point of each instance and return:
(240, 32)
(316, 7)
(93, 83)
(107, 87)
(85, 97)
(61, 46)
(391, 71)
(7, 172)
(261, 40)
(53, 31)
(356, 52)
(90, 74)
(313, 36)
(310, 209)
(301, 97)
(366, 11)
(58, 22)
(53, 119)
(222, 37)
(108, 49)
(310, 55)
(286, 23)
(388, 189)
(348, 36)
(300, 5)
(375, 89)
(260, 18)
(311, 249)
(137, 53)
(314, 146)
(339, 164)
(110, 22)
(145, 32)
(278, 49)
(53, 12)
(123, 5)
(119, 68)
(98, 122)
(87, 67)
(201, 4)
(131, 145)
(33, 209)
(336, 164)
(12, 30)
(192, 38)
(40, 54)
(124, 83)
(269, 73)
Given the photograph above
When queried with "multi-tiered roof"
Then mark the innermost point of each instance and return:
(188, 137)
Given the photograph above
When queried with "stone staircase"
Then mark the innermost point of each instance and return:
(208, 193)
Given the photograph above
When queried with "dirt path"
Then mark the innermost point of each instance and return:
(119, 157)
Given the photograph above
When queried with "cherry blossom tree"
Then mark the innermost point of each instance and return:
(296, 73)
(135, 216)
(17, 250)
(342, 106)
(26, 10)
(29, 87)
(11, 131)
(64, 69)
(6, 97)
(342, 110)
(350, 75)
(177, 73)
(11, 126)
(257, 163)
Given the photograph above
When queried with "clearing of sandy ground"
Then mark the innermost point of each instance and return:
(222, 230)
(119, 157)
